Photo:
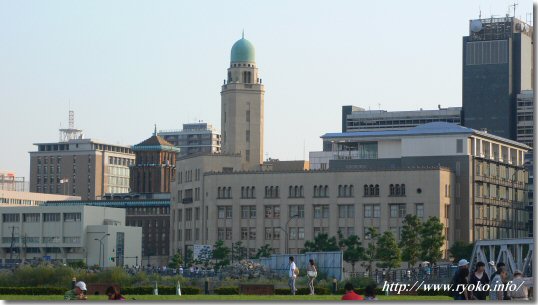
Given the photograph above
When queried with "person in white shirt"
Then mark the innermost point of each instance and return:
(292, 276)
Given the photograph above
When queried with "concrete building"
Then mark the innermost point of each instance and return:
(152, 216)
(260, 207)
(525, 117)
(194, 138)
(154, 166)
(95, 235)
(498, 61)
(359, 119)
(490, 178)
(14, 198)
(82, 167)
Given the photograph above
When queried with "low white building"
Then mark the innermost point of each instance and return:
(95, 235)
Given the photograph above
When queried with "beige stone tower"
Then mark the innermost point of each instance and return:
(242, 107)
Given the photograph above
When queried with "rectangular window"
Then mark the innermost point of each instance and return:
(300, 233)
(459, 145)
(10, 217)
(252, 233)
(188, 214)
(297, 210)
(188, 234)
(346, 211)
(397, 210)
(72, 240)
(268, 233)
(229, 212)
(221, 212)
(420, 209)
(377, 211)
(197, 214)
(220, 233)
(368, 211)
(72, 217)
(244, 233)
(51, 217)
(272, 211)
(228, 233)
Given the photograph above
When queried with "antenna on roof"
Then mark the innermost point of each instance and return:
(155, 131)
(479, 13)
(243, 34)
(514, 5)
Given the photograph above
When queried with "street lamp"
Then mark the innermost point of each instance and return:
(100, 240)
(286, 240)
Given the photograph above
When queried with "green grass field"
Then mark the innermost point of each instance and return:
(223, 298)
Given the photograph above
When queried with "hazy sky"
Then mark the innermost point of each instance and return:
(125, 65)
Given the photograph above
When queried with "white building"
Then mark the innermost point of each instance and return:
(95, 235)
(14, 198)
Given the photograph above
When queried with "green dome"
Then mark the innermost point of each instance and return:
(243, 50)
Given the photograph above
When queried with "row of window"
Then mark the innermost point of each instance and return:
(396, 210)
(319, 191)
(44, 240)
(36, 217)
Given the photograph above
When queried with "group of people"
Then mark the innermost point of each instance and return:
(79, 293)
(470, 286)
(312, 272)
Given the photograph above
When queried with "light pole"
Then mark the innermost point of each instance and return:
(286, 240)
(103, 247)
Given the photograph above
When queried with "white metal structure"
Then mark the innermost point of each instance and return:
(517, 254)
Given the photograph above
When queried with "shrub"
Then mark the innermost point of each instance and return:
(227, 290)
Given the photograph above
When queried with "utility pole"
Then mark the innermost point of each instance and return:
(12, 242)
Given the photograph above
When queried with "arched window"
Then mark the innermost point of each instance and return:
(229, 192)
(289, 191)
(252, 194)
(218, 193)
(403, 189)
(271, 194)
(365, 190)
(296, 191)
(301, 193)
(315, 191)
(345, 191)
(351, 191)
(376, 190)
(276, 191)
(372, 191)
(397, 190)
(243, 192)
(266, 191)
(339, 190)
(391, 190)
(326, 192)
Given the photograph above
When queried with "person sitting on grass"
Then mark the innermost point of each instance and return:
(113, 293)
(350, 293)
(76, 294)
(369, 293)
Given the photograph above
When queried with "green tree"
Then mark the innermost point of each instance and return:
(239, 251)
(264, 251)
(410, 240)
(176, 260)
(321, 243)
(221, 254)
(370, 253)
(388, 251)
(461, 250)
(431, 240)
(352, 249)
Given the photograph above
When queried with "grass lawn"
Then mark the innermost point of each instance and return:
(201, 297)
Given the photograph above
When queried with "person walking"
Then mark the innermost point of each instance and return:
(479, 277)
(312, 273)
(292, 275)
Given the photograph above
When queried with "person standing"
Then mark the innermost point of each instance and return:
(479, 277)
(312, 273)
(521, 294)
(496, 292)
(463, 264)
(462, 282)
(292, 275)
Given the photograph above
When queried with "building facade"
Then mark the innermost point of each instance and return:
(286, 208)
(81, 167)
(194, 138)
(154, 167)
(358, 119)
(94, 235)
(490, 178)
(525, 117)
(497, 65)
(152, 216)
(9, 181)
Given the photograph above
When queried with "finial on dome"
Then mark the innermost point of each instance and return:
(243, 35)
(155, 131)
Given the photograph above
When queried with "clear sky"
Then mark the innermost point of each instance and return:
(125, 65)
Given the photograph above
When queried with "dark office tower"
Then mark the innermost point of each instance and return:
(497, 66)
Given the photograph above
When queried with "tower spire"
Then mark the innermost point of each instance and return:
(155, 131)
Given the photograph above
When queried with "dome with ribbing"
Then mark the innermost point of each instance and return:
(243, 51)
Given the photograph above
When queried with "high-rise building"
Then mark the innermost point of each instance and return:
(194, 138)
(497, 65)
(525, 117)
(359, 119)
(154, 167)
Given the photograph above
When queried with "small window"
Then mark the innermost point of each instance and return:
(459, 146)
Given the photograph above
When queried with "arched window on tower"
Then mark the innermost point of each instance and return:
(376, 190)
(391, 190)
(366, 190)
(229, 77)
